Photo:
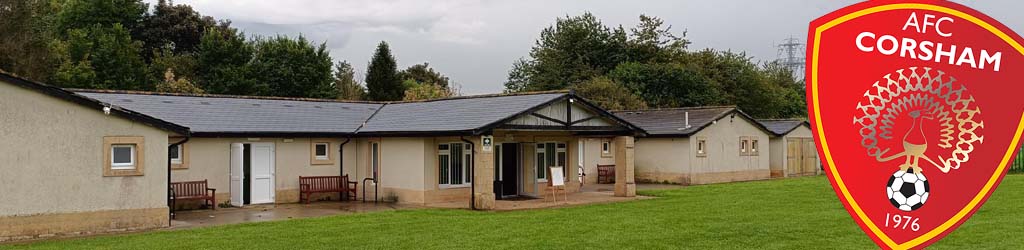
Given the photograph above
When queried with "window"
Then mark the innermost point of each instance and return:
(744, 144)
(550, 155)
(702, 147)
(124, 155)
(753, 146)
(178, 155)
(175, 154)
(453, 163)
(606, 148)
(321, 153)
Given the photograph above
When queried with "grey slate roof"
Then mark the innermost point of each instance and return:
(672, 122)
(242, 115)
(234, 115)
(458, 114)
(781, 127)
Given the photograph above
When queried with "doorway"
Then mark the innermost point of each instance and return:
(252, 173)
(801, 157)
(507, 170)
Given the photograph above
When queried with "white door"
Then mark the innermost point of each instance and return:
(237, 177)
(262, 177)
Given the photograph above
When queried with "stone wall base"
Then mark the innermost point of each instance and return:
(722, 177)
(17, 228)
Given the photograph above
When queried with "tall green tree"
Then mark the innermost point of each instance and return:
(174, 26)
(83, 14)
(424, 74)
(575, 49)
(346, 84)
(666, 85)
(27, 29)
(100, 57)
(293, 68)
(223, 57)
(382, 80)
(182, 64)
(608, 94)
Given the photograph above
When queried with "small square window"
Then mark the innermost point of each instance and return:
(753, 146)
(606, 149)
(744, 144)
(702, 147)
(122, 156)
(321, 151)
(175, 153)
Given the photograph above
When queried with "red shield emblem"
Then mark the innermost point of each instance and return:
(910, 106)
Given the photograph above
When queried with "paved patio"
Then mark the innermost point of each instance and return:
(590, 194)
(259, 213)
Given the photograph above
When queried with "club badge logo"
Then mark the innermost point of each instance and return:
(925, 84)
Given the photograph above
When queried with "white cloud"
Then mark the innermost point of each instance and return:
(453, 21)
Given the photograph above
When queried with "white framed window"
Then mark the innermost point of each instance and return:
(550, 154)
(702, 147)
(744, 145)
(753, 147)
(454, 161)
(579, 153)
(321, 150)
(175, 153)
(122, 156)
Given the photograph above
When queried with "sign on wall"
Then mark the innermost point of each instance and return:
(924, 84)
(487, 142)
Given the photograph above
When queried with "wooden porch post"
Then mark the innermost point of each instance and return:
(624, 184)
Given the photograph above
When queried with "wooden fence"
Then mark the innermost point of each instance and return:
(1018, 164)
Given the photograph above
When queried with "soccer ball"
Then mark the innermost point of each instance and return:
(907, 191)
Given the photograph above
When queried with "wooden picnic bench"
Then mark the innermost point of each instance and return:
(193, 190)
(605, 174)
(309, 185)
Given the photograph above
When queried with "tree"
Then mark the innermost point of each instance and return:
(178, 27)
(382, 82)
(423, 74)
(608, 94)
(346, 84)
(575, 49)
(184, 65)
(83, 14)
(223, 56)
(292, 68)
(666, 85)
(420, 91)
(101, 57)
(170, 84)
(27, 30)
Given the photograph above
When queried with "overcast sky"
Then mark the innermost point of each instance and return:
(474, 42)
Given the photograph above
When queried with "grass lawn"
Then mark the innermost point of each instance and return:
(785, 214)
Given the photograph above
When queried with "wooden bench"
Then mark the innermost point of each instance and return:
(309, 185)
(193, 190)
(605, 174)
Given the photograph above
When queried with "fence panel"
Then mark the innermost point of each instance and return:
(1018, 164)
